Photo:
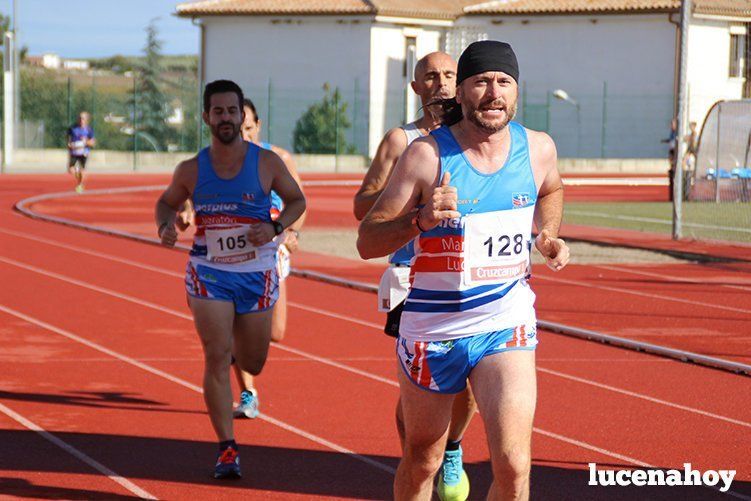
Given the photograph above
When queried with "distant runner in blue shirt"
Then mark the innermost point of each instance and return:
(80, 141)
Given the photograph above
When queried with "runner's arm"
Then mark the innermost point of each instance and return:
(287, 186)
(289, 161)
(390, 223)
(391, 147)
(171, 201)
(549, 207)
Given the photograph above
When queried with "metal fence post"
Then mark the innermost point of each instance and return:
(336, 128)
(354, 115)
(717, 156)
(93, 98)
(135, 123)
(681, 128)
(547, 111)
(70, 101)
(268, 114)
(604, 132)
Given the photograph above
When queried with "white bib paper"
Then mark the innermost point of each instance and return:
(229, 245)
(496, 246)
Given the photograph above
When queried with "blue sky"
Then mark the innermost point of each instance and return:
(98, 28)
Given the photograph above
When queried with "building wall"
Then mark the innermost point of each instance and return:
(389, 85)
(709, 66)
(620, 69)
(282, 64)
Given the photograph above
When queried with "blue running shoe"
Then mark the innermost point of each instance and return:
(228, 464)
(248, 405)
(453, 483)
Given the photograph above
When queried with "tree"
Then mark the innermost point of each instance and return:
(151, 105)
(321, 128)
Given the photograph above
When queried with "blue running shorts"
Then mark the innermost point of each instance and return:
(249, 291)
(444, 366)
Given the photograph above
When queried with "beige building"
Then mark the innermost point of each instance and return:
(616, 59)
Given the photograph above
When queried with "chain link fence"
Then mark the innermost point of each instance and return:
(315, 119)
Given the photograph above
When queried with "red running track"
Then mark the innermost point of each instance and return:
(99, 350)
(704, 308)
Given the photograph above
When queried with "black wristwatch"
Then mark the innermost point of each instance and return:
(278, 227)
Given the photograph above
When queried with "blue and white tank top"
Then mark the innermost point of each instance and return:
(224, 209)
(469, 275)
(276, 201)
(404, 255)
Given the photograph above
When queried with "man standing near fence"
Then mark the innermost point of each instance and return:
(435, 80)
(467, 197)
(80, 139)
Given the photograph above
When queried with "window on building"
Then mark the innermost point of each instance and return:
(737, 55)
(455, 40)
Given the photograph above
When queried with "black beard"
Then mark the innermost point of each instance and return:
(475, 116)
(225, 137)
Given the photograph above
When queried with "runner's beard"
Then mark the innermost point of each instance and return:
(225, 136)
(475, 116)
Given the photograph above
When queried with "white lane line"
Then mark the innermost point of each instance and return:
(662, 297)
(181, 276)
(179, 314)
(348, 318)
(165, 375)
(115, 477)
(359, 322)
(544, 277)
(673, 278)
(605, 215)
(293, 429)
(644, 397)
(88, 252)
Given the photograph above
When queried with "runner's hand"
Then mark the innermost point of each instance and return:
(261, 233)
(554, 250)
(184, 219)
(290, 241)
(442, 205)
(168, 235)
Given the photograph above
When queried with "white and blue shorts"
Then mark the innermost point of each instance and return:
(444, 366)
(249, 291)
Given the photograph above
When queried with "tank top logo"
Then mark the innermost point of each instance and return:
(520, 199)
(216, 207)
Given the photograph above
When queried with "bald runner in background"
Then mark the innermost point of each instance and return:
(435, 80)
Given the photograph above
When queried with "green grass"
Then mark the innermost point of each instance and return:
(701, 220)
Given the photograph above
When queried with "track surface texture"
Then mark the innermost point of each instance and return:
(100, 377)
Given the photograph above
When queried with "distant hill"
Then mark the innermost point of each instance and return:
(120, 64)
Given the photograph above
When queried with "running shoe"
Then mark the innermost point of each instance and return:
(453, 483)
(248, 405)
(228, 464)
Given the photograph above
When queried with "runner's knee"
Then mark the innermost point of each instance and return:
(252, 363)
(512, 467)
(217, 356)
(425, 459)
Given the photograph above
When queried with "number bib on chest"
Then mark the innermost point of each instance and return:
(229, 245)
(496, 246)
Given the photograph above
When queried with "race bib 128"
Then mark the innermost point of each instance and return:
(496, 246)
